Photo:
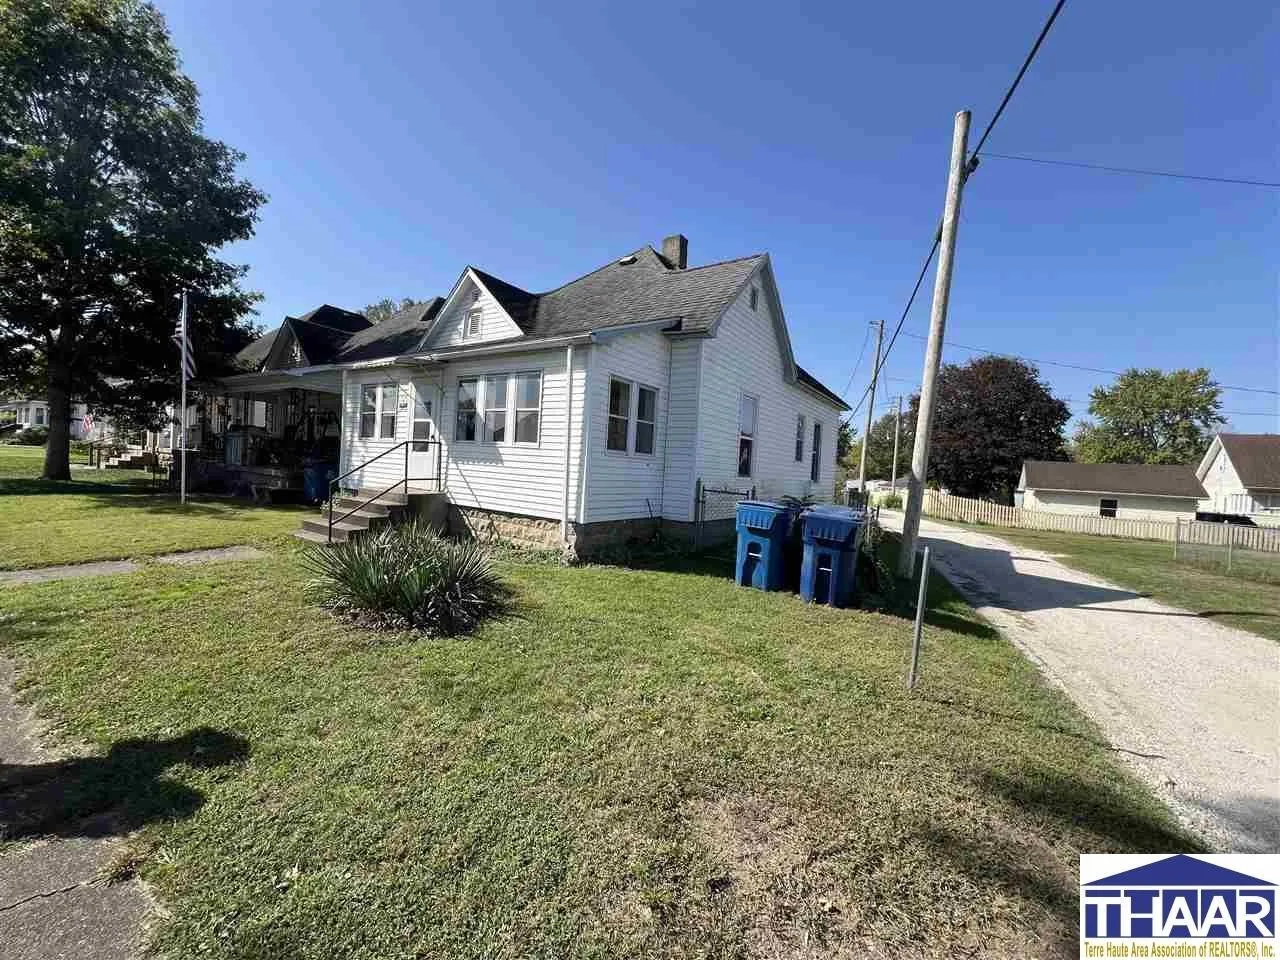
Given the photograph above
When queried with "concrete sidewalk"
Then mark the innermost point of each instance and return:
(1192, 705)
(55, 900)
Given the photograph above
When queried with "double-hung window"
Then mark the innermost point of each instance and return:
(631, 403)
(646, 419)
(748, 410)
(815, 457)
(800, 438)
(489, 406)
(378, 410)
(39, 416)
(619, 415)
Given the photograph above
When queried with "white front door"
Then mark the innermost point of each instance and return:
(422, 455)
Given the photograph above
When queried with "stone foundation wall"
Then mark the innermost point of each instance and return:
(487, 525)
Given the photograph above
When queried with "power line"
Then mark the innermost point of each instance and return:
(1035, 48)
(865, 337)
(1134, 170)
(970, 167)
(1072, 366)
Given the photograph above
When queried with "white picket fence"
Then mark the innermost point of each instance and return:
(944, 506)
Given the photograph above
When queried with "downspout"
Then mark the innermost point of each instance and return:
(568, 439)
(584, 459)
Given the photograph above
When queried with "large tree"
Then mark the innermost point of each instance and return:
(1148, 416)
(112, 202)
(992, 413)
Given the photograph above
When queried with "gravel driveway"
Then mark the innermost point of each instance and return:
(1193, 706)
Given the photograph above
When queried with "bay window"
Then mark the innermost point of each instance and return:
(631, 403)
(619, 415)
(377, 410)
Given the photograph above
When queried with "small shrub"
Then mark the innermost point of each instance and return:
(890, 501)
(32, 436)
(407, 576)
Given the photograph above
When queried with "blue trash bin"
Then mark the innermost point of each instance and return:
(762, 539)
(831, 539)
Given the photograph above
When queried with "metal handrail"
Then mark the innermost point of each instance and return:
(405, 480)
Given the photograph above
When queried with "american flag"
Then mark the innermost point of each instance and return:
(87, 423)
(184, 342)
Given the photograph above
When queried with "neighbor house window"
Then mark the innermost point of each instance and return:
(815, 457)
(39, 416)
(748, 409)
(1107, 508)
(619, 415)
(646, 418)
(488, 407)
(800, 438)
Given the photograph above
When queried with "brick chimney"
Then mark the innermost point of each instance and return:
(675, 250)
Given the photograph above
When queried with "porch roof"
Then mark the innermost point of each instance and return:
(325, 379)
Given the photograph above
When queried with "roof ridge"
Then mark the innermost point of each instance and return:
(591, 273)
(722, 263)
(325, 326)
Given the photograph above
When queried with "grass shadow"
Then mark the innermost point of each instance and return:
(115, 793)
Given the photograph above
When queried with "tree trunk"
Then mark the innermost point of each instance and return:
(57, 455)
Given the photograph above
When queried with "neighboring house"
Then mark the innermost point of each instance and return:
(587, 413)
(1240, 473)
(35, 413)
(1127, 491)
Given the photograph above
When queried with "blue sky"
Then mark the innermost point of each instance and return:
(401, 141)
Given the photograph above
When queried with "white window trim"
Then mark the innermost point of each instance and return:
(378, 412)
(633, 417)
(754, 435)
(815, 455)
(482, 400)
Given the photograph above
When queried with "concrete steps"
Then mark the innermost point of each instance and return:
(385, 508)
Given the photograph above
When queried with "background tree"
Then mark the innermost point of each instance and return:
(112, 201)
(1148, 416)
(992, 413)
(880, 452)
(386, 308)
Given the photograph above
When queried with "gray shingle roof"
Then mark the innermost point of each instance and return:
(399, 334)
(637, 288)
(1256, 458)
(1152, 479)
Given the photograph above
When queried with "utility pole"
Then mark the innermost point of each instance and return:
(871, 403)
(933, 349)
(897, 429)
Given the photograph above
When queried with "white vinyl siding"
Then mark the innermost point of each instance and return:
(746, 356)
(682, 429)
(624, 484)
(489, 321)
(521, 478)
(1128, 506)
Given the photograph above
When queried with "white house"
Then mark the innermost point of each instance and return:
(35, 413)
(1127, 491)
(1240, 473)
(587, 413)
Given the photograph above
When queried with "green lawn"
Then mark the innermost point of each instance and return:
(110, 514)
(631, 764)
(1149, 568)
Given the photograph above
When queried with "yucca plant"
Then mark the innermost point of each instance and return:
(406, 575)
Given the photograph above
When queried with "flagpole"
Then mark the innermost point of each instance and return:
(182, 483)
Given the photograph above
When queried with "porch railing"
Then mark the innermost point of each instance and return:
(404, 481)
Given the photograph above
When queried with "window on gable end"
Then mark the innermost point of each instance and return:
(755, 296)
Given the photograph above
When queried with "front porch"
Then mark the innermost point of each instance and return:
(269, 436)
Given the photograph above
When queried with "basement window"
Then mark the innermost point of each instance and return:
(1107, 508)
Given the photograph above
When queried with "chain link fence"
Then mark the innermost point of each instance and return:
(1249, 553)
(715, 512)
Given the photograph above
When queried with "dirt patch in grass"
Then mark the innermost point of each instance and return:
(772, 877)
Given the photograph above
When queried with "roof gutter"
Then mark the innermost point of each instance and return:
(1122, 493)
